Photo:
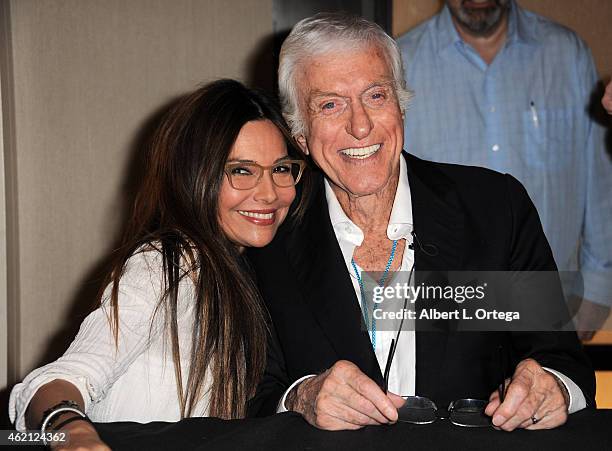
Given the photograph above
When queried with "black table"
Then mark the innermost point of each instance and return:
(584, 431)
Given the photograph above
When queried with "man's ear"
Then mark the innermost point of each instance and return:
(301, 140)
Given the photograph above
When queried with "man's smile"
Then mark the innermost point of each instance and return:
(361, 153)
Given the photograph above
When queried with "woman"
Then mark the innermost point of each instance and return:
(180, 330)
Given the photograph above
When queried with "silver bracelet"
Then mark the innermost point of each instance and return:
(60, 409)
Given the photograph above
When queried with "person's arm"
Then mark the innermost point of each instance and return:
(48, 396)
(531, 254)
(340, 398)
(571, 391)
(282, 407)
(274, 382)
(82, 434)
(596, 243)
(534, 392)
(94, 360)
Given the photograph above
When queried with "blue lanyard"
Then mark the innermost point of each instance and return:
(364, 300)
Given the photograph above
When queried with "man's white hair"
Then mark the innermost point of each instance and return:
(326, 33)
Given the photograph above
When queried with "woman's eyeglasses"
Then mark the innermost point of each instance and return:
(247, 175)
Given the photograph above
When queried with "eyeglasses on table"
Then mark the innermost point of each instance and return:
(462, 412)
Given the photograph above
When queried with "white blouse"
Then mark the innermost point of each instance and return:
(134, 381)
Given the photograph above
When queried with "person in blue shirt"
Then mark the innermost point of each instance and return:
(501, 87)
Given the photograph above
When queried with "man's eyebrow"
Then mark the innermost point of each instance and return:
(317, 93)
(383, 83)
(380, 83)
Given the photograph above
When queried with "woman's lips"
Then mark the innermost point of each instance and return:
(259, 217)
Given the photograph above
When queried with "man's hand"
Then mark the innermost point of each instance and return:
(533, 393)
(590, 317)
(606, 101)
(343, 398)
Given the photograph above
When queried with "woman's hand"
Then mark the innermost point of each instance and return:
(82, 436)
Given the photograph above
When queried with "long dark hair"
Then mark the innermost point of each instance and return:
(176, 212)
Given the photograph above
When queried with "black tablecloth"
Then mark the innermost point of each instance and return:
(586, 430)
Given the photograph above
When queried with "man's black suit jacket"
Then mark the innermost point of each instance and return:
(478, 220)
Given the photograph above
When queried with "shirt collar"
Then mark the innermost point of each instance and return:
(446, 34)
(345, 229)
(400, 221)
(518, 28)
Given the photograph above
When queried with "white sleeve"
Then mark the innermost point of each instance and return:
(281, 404)
(93, 362)
(577, 401)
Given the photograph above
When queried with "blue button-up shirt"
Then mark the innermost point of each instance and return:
(525, 114)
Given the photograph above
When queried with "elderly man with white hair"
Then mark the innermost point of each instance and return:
(378, 209)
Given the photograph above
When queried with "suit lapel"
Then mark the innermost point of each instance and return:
(438, 218)
(440, 228)
(327, 286)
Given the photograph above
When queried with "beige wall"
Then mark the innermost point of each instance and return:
(88, 75)
(409, 13)
(3, 287)
(3, 266)
(8, 254)
(591, 19)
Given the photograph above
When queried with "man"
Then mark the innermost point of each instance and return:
(500, 87)
(343, 93)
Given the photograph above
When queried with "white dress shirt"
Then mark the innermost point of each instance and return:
(402, 375)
